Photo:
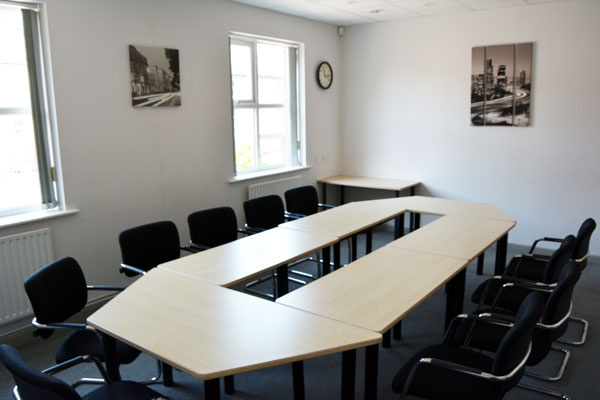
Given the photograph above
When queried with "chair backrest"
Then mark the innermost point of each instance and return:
(302, 200)
(57, 291)
(264, 212)
(146, 246)
(515, 344)
(213, 227)
(33, 384)
(559, 259)
(559, 301)
(582, 242)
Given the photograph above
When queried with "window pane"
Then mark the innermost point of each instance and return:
(19, 177)
(241, 72)
(243, 128)
(273, 69)
(274, 139)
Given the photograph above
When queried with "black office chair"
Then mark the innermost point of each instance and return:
(57, 292)
(212, 227)
(146, 246)
(454, 370)
(32, 384)
(264, 213)
(528, 268)
(552, 325)
(579, 255)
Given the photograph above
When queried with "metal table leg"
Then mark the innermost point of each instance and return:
(298, 377)
(480, 261)
(369, 244)
(501, 248)
(371, 365)
(212, 389)
(455, 294)
(397, 331)
(348, 374)
(326, 260)
(337, 262)
(282, 280)
(109, 344)
(229, 384)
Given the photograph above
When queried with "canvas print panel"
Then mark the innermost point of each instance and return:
(499, 75)
(523, 84)
(154, 73)
(477, 85)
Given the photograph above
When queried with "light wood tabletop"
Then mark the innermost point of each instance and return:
(438, 206)
(459, 236)
(248, 257)
(208, 331)
(348, 219)
(370, 183)
(377, 290)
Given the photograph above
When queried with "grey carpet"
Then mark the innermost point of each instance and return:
(322, 375)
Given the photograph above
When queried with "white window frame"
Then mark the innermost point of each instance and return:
(297, 139)
(45, 129)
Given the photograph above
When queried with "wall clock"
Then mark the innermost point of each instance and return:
(324, 75)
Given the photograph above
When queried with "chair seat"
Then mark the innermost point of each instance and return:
(447, 385)
(121, 391)
(87, 342)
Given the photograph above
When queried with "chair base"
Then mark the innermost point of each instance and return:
(544, 391)
(581, 340)
(563, 365)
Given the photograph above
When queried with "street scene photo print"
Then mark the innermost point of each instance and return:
(501, 85)
(154, 76)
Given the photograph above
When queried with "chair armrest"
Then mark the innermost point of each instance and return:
(76, 361)
(544, 239)
(293, 216)
(484, 318)
(322, 205)
(61, 326)
(251, 230)
(198, 247)
(189, 249)
(125, 267)
(104, 287)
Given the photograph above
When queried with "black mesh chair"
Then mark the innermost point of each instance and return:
(551, 326)
(32, 384)
(264, 213)
(528, 268)
(579, 255)
(57, 292)
(212, 227)
(455, 370)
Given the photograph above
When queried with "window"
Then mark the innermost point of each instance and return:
(266, 107)
(27, 174)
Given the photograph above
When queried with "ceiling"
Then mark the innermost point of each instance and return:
(355, 12)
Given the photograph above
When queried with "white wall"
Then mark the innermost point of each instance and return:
(406, 93)
(124, 166)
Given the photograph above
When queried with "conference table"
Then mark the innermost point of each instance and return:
(209, 331)
(183, 314)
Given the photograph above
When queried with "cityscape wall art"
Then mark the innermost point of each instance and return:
(154, 73)
(501, 85)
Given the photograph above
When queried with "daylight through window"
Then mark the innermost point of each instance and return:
(264, 80)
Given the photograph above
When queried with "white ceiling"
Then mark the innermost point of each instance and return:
(355, 12)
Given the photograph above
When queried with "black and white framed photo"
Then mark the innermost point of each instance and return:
(154, 73)
(501, 85)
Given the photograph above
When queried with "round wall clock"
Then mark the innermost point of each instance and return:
(324, 75)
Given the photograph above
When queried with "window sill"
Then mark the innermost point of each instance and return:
(262, 174)
(25, 218)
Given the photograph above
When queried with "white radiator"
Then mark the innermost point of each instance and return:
(278, 186)
(20, 256)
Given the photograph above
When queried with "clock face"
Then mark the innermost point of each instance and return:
(325, 75)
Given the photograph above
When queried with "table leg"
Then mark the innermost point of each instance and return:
(412, 191)
(324, 193)
(229, 384)
(326, 260)
(298, 377)
(109, 345)
(212, 389)
(348, 374)
(455, 295)
(369, 245)
(397, 331)
(501, 248)
(282, 280)
(354, 246)
(417, 223)
(337, 262)
(167, 372)
(480, 261)
(387, 339)
(371, 364)
(341, 194)
(399, 226)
